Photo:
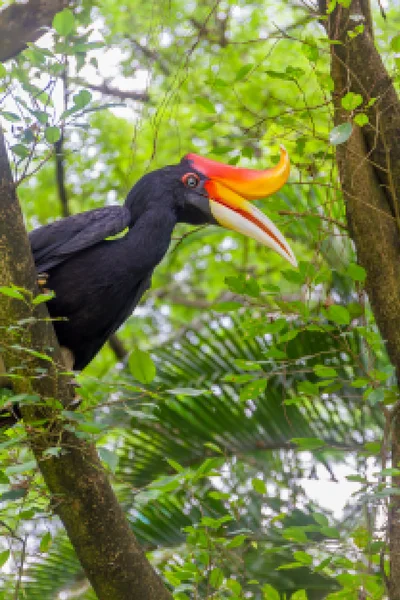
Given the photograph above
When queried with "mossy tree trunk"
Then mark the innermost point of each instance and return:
(369, 170)
(82, 496)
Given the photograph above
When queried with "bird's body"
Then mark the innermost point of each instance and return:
(99, 281)
(98, 287)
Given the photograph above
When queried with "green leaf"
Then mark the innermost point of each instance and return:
(20, 150)
(237, 541)
(205, 103)
(82, 99)
(22, 468)
(187, 392)
(356, 272)
(259, 486)
(330, 532)
(351, 101)
(253, 389)
(109, 458)
(321, 519)
(45, 542)
(299, 595)
(308, 443)
(361, 119)
(395, 43)
(270, 593)
(175, 465)
(323, 371)
(10, 116)
(303, 557)
(52, 134)
(141, 366)
(11, 292)
(243, 72)
(3, 71)
(338, 314)
(40, 298)
(4, 556)
(64, 22)
(340, 134)
(216, 577)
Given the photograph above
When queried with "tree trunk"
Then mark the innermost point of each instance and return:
(369, 170)
(82, 496)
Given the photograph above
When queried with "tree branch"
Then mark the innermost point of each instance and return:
(23, 23)
(83, 498)
(108, 90)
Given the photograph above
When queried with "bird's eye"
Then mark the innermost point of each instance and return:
(191, 180)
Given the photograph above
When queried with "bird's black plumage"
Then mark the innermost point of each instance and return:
(98, 282)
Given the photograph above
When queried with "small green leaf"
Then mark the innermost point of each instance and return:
(20, 150)
(243, 72)
(356, 272)
(237, 541)
(259, 486)
(11, 292)
(64, 22)
(40, 298)
(216, 577)
(10, 116)
(303, 557)
(330, 532)
(82, 99)
(45, 542)
(109, 458)
(4, 556)
(351, 101)
(321, 519)
(323, 371)
(299, 595)
(340, 134)
(52, 134)
(395, 43)
(270, 593)
(3, 71)
(205, 103)
(142, 366)
(22, 468)
(338, 314)
(308, 443)
(253, 389)
(187, 392)
(361, 119)
(175, 465)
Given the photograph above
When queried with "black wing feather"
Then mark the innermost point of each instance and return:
(52, 244)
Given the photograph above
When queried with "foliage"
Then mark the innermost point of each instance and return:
(246, 378)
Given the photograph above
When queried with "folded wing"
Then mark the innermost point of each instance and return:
(54, 243)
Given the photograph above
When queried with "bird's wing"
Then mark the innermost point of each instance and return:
(54, 243)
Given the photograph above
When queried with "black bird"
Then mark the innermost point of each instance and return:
(98, 281)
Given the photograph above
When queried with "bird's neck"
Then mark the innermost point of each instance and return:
(150, 236)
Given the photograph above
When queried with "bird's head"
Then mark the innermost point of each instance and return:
(219, 193)
(201, 190)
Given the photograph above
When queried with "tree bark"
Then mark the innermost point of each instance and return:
(369, 170)
(82, 496)
(24, 23)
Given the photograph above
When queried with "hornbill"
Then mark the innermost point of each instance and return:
(99, 281)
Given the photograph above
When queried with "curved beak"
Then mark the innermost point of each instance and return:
(229, 189)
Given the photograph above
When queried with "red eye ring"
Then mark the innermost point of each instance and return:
(191, 180)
